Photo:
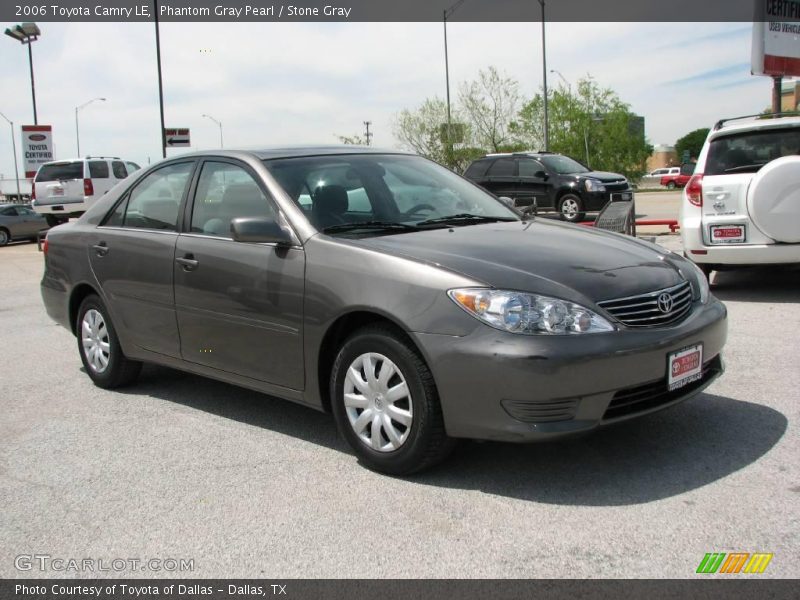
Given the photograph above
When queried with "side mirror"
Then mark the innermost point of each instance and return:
(540, 174)
(261, 230)
(507, 201)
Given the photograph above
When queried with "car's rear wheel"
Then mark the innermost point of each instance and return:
(4, 237)
(570, 208)
(99, 347)
(386, 404)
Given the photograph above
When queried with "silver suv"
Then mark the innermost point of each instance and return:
(67, 188)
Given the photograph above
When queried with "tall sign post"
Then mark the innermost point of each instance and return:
(776, 43)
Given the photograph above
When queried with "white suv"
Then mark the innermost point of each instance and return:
(67, 188)
(742, 205)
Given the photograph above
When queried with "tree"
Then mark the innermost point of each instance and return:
(355, 140)
(490, 105)
(693, 142)
(593, 118)
(420, 130)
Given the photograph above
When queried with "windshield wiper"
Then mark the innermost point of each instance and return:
(464, 219)
(755, 166)
(384, 225)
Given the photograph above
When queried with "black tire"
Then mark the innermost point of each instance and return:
(671, 185)
(5, 236)
(570, 208)
(426, 443)
(52, 220)
(120, 370)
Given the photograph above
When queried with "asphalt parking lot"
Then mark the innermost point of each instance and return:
(180, 467)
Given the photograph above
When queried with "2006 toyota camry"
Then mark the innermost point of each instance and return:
(386, 289)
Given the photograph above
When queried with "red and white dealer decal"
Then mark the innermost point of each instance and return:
(685, 366)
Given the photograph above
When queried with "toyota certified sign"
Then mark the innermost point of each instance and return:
(776, 29)
(37, 147)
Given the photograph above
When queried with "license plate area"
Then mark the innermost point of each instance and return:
(727, 234)
(684, 366)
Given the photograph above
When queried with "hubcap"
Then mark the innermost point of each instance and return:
(3, 237)
(94, 337)
(569, 207)
(378, 402)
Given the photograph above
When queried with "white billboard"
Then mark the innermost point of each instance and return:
(37, 147)
(776, 38)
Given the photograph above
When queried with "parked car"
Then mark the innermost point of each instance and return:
(447, 317)
(18, 221)
(548, 181)
(67, 188)
(679, 178)
(742, 205)
(664, 171)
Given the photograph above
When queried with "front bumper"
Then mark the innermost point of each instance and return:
(500, 386)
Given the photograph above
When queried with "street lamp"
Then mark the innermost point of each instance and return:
(220, 127)
(564, 79)
(27, 33)
(447, 12)
(77, 130)
(14, 148)
(544, 79)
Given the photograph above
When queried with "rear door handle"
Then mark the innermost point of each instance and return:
(101, 249)
(187, 262)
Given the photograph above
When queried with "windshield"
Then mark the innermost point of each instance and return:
(748, 152)
(335, 191)
(563, 165)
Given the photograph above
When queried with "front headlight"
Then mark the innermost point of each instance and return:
(702, 282)
(594, 185)
(529, 314)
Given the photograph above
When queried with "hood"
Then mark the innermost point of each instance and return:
(603, 176)
(540, 256)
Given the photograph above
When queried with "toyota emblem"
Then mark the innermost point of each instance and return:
(665, 302)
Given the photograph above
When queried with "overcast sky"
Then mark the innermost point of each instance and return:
(303, 83)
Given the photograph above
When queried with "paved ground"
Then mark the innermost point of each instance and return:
(182, 467)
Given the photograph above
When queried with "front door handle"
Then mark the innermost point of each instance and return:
(100, 249)
(188, 262)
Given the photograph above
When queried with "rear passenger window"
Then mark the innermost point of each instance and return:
(477, 169)
(98, 169)
(119, 169)
(502, 167)
(154, 202)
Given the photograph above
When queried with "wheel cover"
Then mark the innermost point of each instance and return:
(3, 237)
(95, 340)
(378, 402)
(569, 207)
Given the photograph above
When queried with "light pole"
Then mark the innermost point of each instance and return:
(220, 127)
(77, 129)
(544, 79)
(160, 81)
(14, 148)
(447, 12)
(27, 33)
(564, 79)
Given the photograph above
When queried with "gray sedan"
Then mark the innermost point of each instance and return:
(18, 221)
(382, 287)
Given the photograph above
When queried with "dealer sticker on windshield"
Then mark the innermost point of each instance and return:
(685, 366)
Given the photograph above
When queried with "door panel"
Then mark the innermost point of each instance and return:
(239, 305)
(240, 309)
(501, 178)
(532, 186)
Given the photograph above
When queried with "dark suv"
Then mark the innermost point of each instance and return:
(548, 181)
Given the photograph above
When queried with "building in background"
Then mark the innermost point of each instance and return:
(8, 190)
(790, 95)
(663, 156)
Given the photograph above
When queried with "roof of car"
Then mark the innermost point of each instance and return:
(736, 125)
(295, 151)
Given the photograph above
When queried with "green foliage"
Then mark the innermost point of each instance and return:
(590, 117)
(693, 142)
(355, 140)
(490, 105)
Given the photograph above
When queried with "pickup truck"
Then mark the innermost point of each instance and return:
(678, 180)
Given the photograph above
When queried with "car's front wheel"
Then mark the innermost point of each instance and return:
(99, 347)
(386, 404)
(671, 185)
(570, 208)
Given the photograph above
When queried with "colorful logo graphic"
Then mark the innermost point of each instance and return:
(736, 562)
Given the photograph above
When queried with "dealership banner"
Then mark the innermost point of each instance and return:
(232, 11)
(776, 38)
(37, 147)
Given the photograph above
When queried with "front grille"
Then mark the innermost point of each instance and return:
(654, 394)
(617, 186)
(646, 310)
(541, 412)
